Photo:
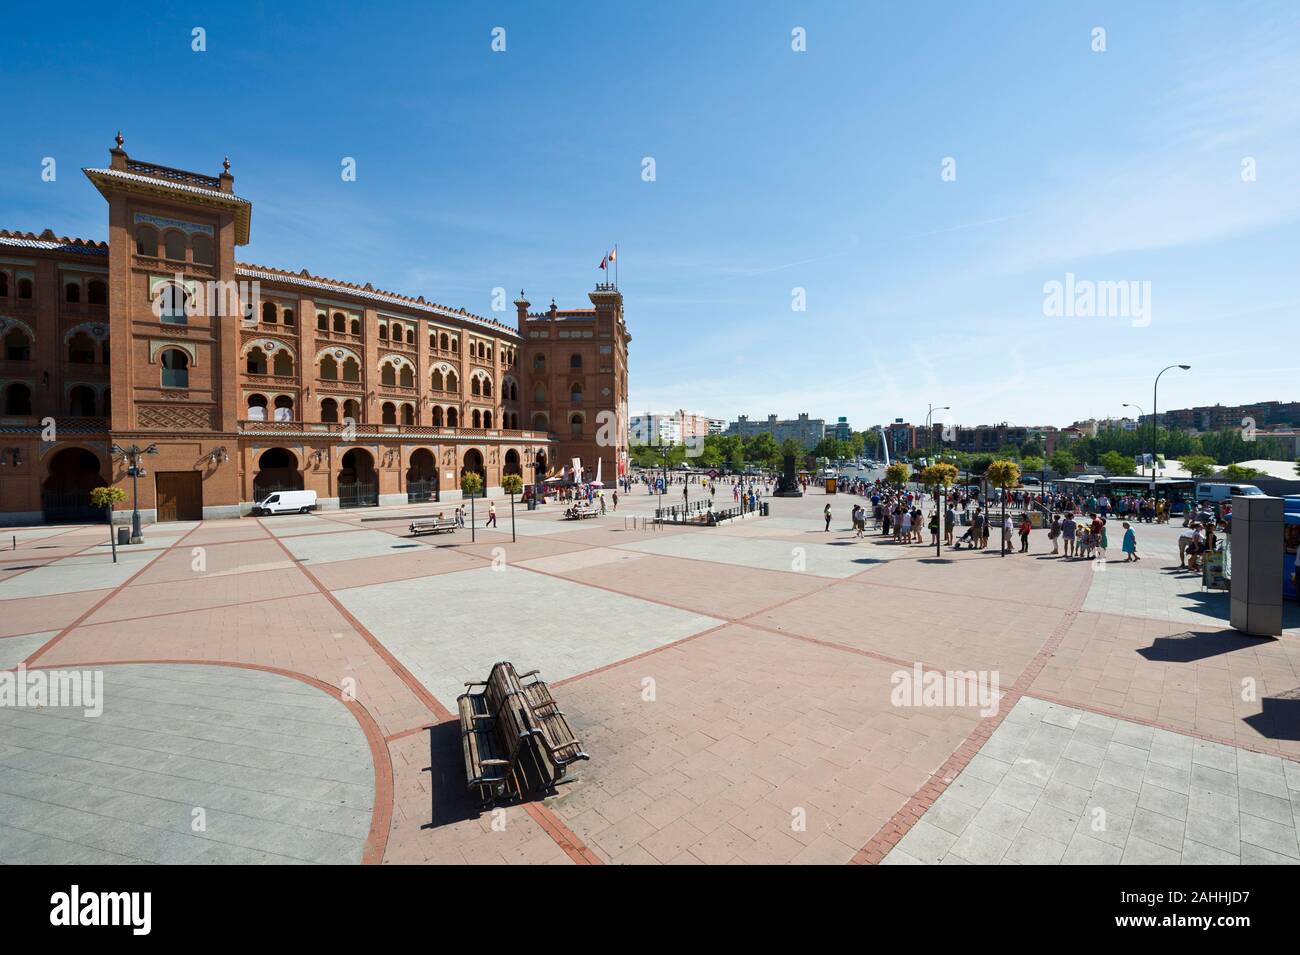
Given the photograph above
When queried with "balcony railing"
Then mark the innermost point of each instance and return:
(330, 428)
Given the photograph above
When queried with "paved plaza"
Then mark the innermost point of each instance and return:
(282, 689)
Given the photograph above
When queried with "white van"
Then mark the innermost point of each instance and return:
(285, 502)
(1218, 493)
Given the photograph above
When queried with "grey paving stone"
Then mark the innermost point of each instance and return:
(1176, 780)
(1064, 796)
(1085, 850)
(1164, 801)
(1086, 753)
(1000, 817)
(1267, 806)
(1269, 835)
(1262, 781)
(1035, 848)
(926, 842)
(981, 847)
(1214, 780)
(1079, 775)
(951, 815)
(1138, 851)
(1158, 828)
(1222, 831)
(1196, 853)
(1017, 792)
(1053, 822)
(1215, 755)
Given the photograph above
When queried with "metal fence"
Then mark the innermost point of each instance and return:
(420, 492)
(358, 495)
(59, 507)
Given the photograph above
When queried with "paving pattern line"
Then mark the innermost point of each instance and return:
(381, 815)
(902, 821)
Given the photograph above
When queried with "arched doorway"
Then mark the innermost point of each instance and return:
(539, 467)
(358, 483)
(422, 477)
(65, 493)
(512, 463)
(277, 470)
(473, 461)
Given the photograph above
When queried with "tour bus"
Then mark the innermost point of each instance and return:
(285, 502)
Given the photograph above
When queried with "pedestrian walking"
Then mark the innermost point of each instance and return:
(492, 515)
(1130, 544)
(827, 514)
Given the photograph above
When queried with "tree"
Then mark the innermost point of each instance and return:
(1006, 475)
(512, 484)
(1117, 464)
(1032, 448)
(1239, 472)
(471, 485)
(1062, 462)
(897, 473)
(1198, 465)
(939, 475)
(763, 450)
(106, 497)
(790, 448)
(1033, 463)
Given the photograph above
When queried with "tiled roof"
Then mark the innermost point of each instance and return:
(48, 240)
(167, 183)
(305, 280)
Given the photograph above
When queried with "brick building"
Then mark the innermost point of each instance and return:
(243, 378)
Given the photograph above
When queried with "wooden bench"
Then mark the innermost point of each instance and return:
(580, 512)
(487, 763)
(562, 747)
(432, 525)
(515, 735)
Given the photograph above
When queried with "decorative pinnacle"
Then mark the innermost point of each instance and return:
(119, 140)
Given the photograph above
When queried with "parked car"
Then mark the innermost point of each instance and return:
(1218, 493)
(285, 502)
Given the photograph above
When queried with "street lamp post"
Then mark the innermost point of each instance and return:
(1155, 415)
(132, 456)
(929, 430)
(1140, 414)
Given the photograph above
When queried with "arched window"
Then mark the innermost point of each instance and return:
(539, 421)
(288, 316)
(453, 383)
(383, 333)
(575, 426)
(356, 327)
(390, 413)
(340, 322)
(256, 362)
(445, 346)
(435, 382)
(407, 377)
(81, 402)
(575, 361)
(408, 414)
(351, 409)
(283, 408)
(97, 292)
(322, 322)
(435, 416)
(268, 312)
(329, 368)
(455, 346)
(329, 411)
(489, 353)
(487, 387)
(351, 369)
(146, 240)
(410, 335)
(474, 387)
(170, 303)
(24, 288)
(72, 292)
(18, 347)
(81, 349)
(174, 245)
(386, 376)
(18, 399)
(256, 408)
(477, 419)
(487, 419)
(201, 246)
(452, 417)
(175, 369)
(575, 393)
(514, 391)
(283, 364)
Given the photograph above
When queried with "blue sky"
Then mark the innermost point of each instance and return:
(775, 170)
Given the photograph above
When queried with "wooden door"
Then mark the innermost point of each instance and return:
(180, 495)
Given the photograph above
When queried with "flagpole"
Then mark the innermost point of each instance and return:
(615, 265)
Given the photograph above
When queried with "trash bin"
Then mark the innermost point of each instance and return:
(123, 536)
(532, 503)
(763, 508)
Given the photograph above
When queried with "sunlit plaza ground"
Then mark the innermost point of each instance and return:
(282, 690)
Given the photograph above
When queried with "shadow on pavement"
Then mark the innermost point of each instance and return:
(1279, 718)
(1191, 646)
(449, 797)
